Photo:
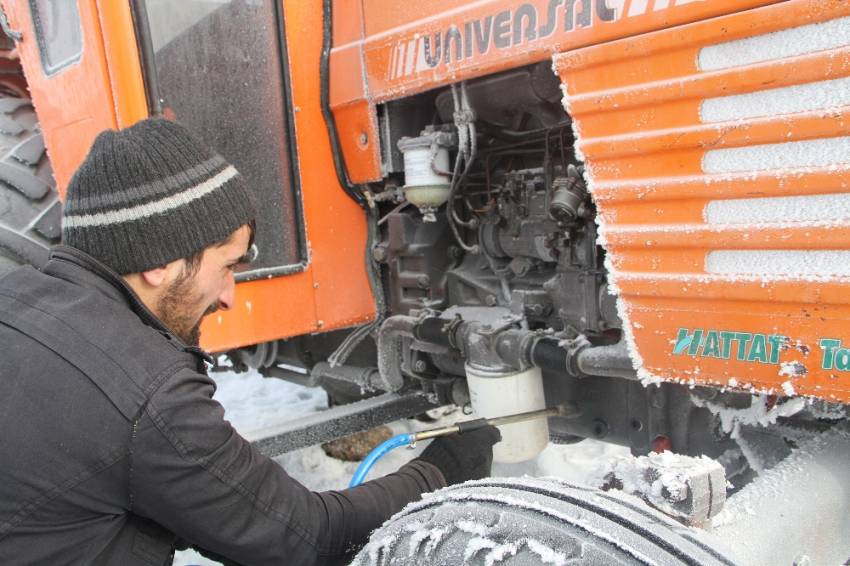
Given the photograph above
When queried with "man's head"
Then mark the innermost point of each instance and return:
(182, 292)
(161, 209)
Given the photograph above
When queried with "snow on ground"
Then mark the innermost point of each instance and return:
(252, 402)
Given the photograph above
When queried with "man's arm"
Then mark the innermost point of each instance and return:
(194, 474)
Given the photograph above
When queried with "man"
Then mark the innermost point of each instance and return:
(112, 450)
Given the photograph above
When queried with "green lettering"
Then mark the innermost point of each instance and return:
(683, 340)
(690, 341)
(743, 339)
(842, 359)
(777, 341)
(758, 350)
(711, 346)
(695, 343)
(829, 345)
(727, 338)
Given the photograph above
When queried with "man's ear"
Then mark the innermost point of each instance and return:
(158, 276)
(149, 284)
(155, 277)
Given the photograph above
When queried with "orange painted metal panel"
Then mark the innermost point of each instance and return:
(263, 310)
(475, 39)
(354, 112)
(495, 35)
(736, 185)
(333, 292)
(74, 104)
(105, 90)
(801, 126)
(122, 58)
(357, 125)
(349, 27)
(343, 93)
(668, 104)
(718, 154)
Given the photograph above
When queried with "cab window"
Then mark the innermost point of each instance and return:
(58, 32)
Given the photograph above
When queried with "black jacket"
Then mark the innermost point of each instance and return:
(112, 449)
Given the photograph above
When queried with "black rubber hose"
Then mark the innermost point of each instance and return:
(548, 355)
(330, 122)
(435, 331)
(600, 361)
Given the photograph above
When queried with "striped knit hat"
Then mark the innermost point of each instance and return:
(151, 194)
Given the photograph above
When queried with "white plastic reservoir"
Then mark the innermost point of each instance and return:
(497, 395)
(424, 167)
(426, 170)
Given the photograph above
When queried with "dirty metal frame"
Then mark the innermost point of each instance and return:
(339, 421)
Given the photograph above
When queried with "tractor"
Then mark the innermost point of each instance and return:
(633, 210)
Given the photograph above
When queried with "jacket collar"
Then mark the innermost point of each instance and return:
(80, 268)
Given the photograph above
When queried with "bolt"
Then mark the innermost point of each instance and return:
(636, 425)
(454, 252)
(600, 428)
(535, 310)
(423, 281)
(420, 366)
(491, 300)
(363, 139)
(379, 253)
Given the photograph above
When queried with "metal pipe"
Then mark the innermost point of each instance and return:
(369, 378)
(467, 426)
(606, 361)
(558, 411)
(584, 361)
(390, 336)
(515, 348)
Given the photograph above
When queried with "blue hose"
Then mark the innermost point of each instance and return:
(376, 454)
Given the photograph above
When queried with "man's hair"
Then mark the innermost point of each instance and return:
(193, 262)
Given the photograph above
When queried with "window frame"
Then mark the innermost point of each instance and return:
(40, 39)
(155, 109)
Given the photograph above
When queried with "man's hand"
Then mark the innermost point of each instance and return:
(462, 457)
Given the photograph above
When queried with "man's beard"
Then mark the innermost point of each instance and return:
(177, 308)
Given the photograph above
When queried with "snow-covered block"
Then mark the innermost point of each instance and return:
(691, 490)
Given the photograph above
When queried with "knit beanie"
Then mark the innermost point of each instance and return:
(150, 194)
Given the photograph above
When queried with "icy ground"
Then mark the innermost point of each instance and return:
(252, 402)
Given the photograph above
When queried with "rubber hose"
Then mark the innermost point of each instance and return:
(376, 454)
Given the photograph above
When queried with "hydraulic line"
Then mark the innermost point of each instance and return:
(467, 151)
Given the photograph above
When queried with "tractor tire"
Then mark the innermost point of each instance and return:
(510, 521)
(30, 209)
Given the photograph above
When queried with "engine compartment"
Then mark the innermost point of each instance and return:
(519, 231)
(494, 243)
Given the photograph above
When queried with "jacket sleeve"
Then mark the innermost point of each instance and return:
(195, 475)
